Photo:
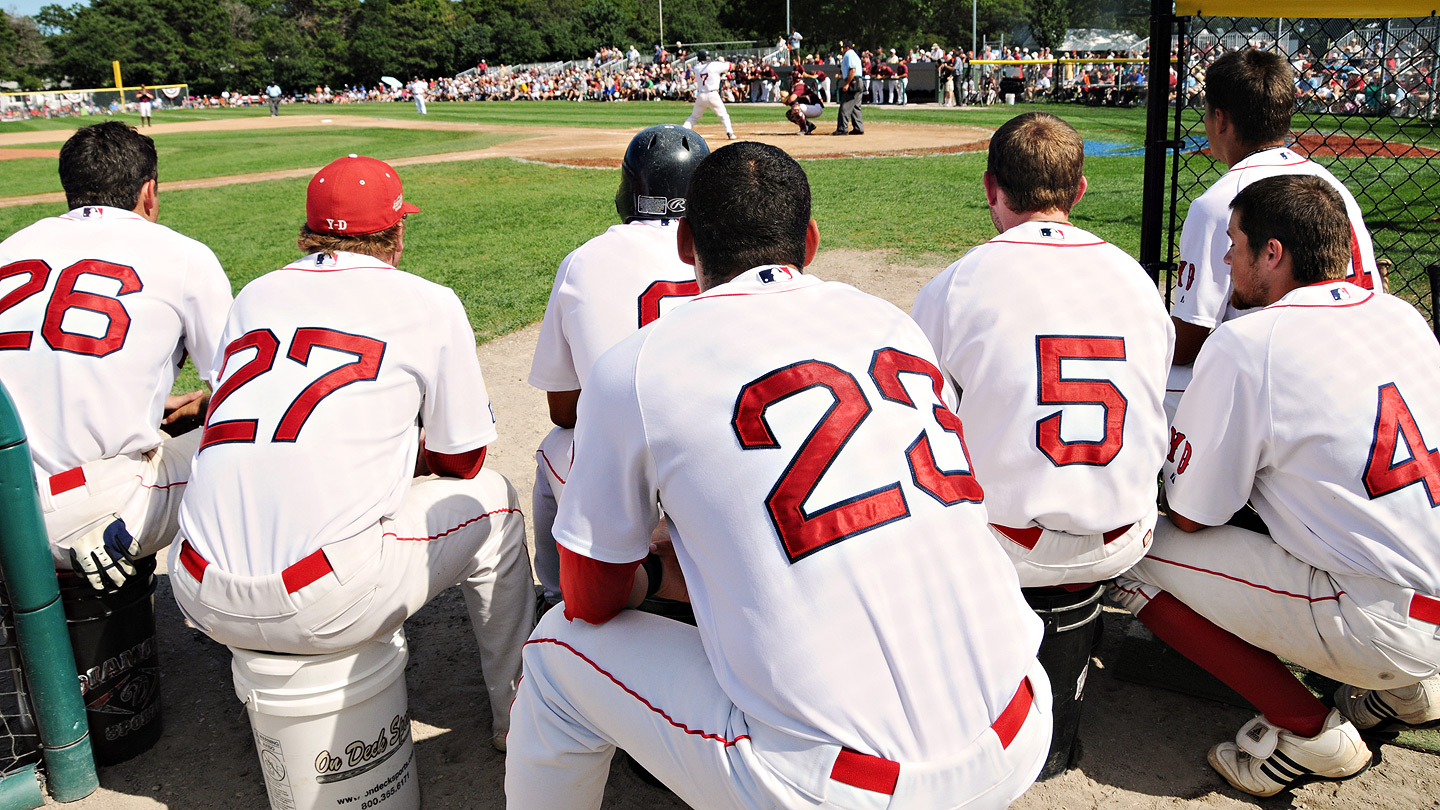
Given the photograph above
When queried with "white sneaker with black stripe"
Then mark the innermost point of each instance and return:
(1266, 759)
(1415, 706)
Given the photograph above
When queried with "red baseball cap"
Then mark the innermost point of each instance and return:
(355, 195)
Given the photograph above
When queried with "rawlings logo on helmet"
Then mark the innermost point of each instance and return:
(677, 205)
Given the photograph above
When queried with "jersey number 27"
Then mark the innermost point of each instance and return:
(368, 353)
(804, 532)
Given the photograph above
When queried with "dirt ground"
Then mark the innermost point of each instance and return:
(1142, 747)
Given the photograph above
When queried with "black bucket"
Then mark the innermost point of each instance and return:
(117, 657)
(1071, 628)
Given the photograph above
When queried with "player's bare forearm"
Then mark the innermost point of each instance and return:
(563, 406)
(1188, 339)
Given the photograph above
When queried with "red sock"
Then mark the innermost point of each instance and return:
(1256, 674)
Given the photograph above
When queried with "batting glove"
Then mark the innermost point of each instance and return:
(105, 554)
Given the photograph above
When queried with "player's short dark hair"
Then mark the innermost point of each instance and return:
(749, 206)
(1038, 160)
(1306, 215)
(1256, 89)
(380, 244)
(107, 164)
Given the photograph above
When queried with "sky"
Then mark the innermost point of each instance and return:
(29, 7)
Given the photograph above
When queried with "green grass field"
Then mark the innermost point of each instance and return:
(495, 230)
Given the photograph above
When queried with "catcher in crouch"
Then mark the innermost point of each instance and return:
(803, 102)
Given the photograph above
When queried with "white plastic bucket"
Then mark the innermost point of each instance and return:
(332, 730)
(1009, 98)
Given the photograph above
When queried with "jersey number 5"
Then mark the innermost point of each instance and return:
(803, 533)
(368, 353)
(1054, 389)
(1394, 424)
(66, 298)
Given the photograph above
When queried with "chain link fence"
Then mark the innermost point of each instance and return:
(1365, 109)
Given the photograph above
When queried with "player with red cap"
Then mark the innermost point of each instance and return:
(337, 372)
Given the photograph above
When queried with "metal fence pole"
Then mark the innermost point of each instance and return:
(41, 633)
(1433, 271)
(1162, 21)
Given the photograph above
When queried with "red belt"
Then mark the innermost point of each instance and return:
(1425, 608)
(880, 775)
(1029, 537)
(66, 481)
(295, 577)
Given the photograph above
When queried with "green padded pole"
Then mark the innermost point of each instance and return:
(40, 630)
(20, 790)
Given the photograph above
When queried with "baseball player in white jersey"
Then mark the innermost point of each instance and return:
(101, 306)
(604, 290)
(861, 641)
(418, 90)
(1249, 98)
(708, 76)
(1319, 409)
(305, 528)
(145, 100)
(1058, 345)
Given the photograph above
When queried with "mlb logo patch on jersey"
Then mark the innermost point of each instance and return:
(1340, 294)
(770, 275)
(1052, 233)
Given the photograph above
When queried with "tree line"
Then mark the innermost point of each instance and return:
(215, 45)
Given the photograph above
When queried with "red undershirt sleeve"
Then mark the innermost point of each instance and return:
(595, 592)
(455, 465)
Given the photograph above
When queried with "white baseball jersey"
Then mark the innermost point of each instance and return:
(1320, 410)
(97, 310)
(1202, 285)
(325, 379)
(604, 290)
(709, 75)
(833, 541)
(1059, 345)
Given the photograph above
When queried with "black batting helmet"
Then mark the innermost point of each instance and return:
(656, 172)
(703, 55)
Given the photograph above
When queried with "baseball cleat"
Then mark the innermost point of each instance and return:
(498, 741)
(1414, 706)
(1266, 759)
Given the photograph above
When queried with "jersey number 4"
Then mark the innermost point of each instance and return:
(66, 298)
(1394, 425)
(803, 533)
(368, 353)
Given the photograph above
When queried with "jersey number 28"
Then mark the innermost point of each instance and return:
(804, 532)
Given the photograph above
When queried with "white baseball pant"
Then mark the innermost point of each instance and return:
(144, 489)
(449, 531)
(643, 683)
(1044, 558)
(1354, 629)
(552, 467)
(711, 101)
(1175, 385)
(811, 111)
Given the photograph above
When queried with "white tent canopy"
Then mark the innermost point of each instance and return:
(1101, 39)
